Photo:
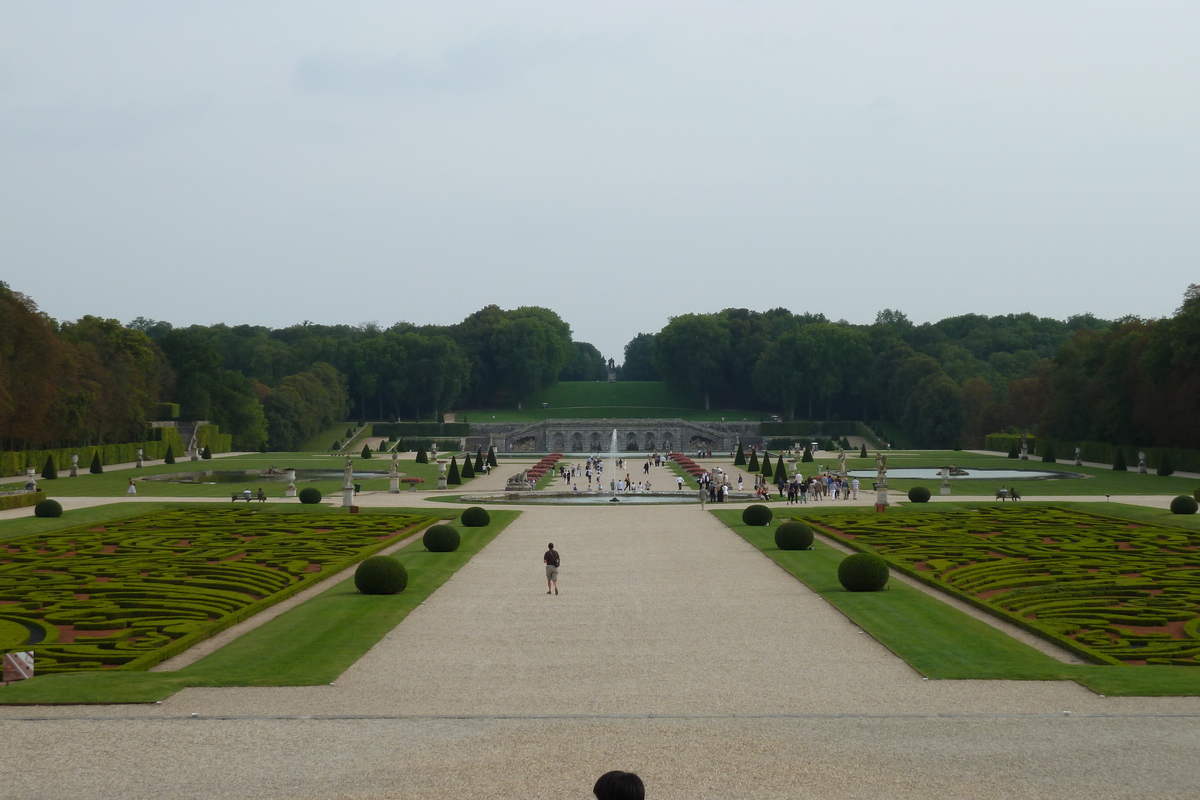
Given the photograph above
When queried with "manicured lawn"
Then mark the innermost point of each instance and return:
(943, 643)
(115, 482)
(310, 644)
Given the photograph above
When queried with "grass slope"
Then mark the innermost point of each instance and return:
(944, 643)
(310, 644)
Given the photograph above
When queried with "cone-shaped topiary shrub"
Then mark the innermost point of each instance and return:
(753, 466)
(863, 572)
(1119, 462)
(468, 471)
(767, 471)
(1184, 505)
(1164, 467)
(780, 469)
(757, 514)
(336, 445)
(491, 456)
(169, 458)
(1048, 457)
(48, 508)
(206, 453)
(452, 476)
(50, 472)
(793, 535)
(422, 456)
(479, 460)
(366, 451)
(1013, 452)
(475, 517)
(918, 494)
(349, 432)
(96, 468)
(807, 457)
(310, 495)
(380, 575)
(862, 453)
(739, 460)
(441, 539)
(957, 444)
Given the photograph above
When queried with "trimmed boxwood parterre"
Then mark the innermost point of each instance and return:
(1115, 591)
(132, 592)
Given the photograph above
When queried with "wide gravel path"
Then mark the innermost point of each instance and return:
(675, 649)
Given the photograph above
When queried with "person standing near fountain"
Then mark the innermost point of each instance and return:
(551, 560)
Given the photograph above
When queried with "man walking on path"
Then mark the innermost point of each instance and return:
(552, 561)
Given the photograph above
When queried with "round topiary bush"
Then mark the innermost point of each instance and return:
(757, 515)
(380, 575)
(310, 495)
(863, 572)
(48, 508)
(1180, 505)
(441, 539)
(919, 494)
(476, 517)
(793, 536)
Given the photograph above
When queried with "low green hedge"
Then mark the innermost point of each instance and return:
(21, 500)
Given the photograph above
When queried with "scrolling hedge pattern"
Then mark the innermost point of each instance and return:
(129, 593)
(1122, 592)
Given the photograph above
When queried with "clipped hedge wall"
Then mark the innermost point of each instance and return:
(1100, 452)
(21, 499)
(419, 430)
(16, 462)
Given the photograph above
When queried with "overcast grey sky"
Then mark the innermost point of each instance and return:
(272, 162)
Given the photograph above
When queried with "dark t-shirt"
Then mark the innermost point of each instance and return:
(551, 557)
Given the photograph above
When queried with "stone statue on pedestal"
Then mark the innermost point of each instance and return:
(946, 479)
(841, 462)
(1024, 448)
(348, 484)
(139, 458)
(881, 484)
(441, 474)
(1078, 456)
(290, 491)
(74, 465)
(1142, 463)
(394, 475)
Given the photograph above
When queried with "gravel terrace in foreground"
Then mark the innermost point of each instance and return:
(663, 611)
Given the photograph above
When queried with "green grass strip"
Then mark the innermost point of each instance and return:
(310, 644)
(943, 643)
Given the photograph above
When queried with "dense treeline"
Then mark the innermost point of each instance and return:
(88, 382)
(954, 381)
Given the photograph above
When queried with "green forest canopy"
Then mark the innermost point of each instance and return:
(956, 380)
